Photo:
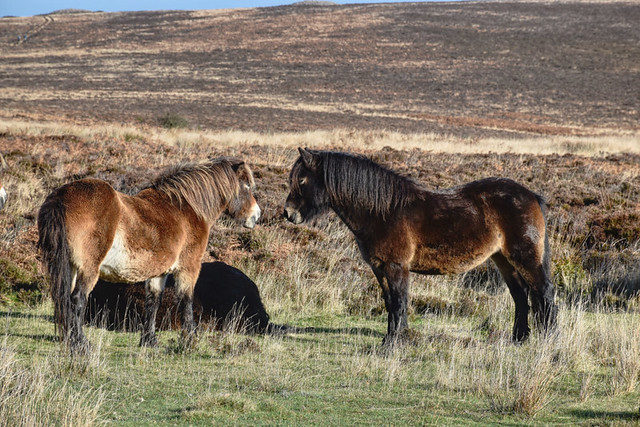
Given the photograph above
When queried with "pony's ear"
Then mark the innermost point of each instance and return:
(236, 164)
(307, 158)
(242, 171)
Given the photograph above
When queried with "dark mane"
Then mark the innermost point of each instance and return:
(365, 184)
(206, 186)
(401, 227)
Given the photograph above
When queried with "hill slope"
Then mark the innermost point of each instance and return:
(468, 69)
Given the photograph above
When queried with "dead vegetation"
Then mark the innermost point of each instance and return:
(593, 203)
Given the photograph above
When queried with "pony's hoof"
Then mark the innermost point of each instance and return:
(189, 341)
(80, 348)
(404, 337)
(148, 341)
(520, 337)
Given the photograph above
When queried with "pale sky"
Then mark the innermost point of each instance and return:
(36, 7)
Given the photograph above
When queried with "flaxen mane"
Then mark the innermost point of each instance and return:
(203, 186)
(365, 184)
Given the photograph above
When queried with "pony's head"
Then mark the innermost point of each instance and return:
(212, 187)
(243, 205)
(350, 184)
(308, 196)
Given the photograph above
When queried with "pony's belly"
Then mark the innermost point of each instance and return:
(442, 261)
(442, 268)
(122, 265)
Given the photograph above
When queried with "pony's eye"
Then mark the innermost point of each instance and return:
(303, 181)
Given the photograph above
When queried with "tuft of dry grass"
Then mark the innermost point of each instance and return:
(623, 342)
(31, 395)
(188, 140)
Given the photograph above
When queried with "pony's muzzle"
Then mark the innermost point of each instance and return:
(3, 197)
(253, 218)
(292, 215)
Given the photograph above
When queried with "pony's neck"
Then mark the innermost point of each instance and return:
(357, 213)
(356, 219)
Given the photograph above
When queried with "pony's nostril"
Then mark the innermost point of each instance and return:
(289, 213)
(251, 221)
(292, 215)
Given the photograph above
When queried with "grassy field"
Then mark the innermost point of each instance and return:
(328, 368)
(330, 372)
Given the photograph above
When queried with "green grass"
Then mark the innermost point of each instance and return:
(332, 371)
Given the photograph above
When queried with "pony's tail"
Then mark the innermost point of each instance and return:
(549, 315)
(546, 259)
(54, 247)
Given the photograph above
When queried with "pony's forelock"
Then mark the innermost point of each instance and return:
(294, 181)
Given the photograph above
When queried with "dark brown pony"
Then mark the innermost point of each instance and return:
(88, 230)
(401, 227)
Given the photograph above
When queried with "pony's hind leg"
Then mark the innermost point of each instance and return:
(77, 341)
(534, 267)
(153, 289)
(518, 289)
(542, 295)
(545, 310)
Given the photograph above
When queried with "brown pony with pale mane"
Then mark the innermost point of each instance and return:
(88, 230)
(400, 227)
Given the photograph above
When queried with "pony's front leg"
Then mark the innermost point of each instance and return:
(188, 324)
(78, 343)
(153, 289)
(396, 300)
(185, 284)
